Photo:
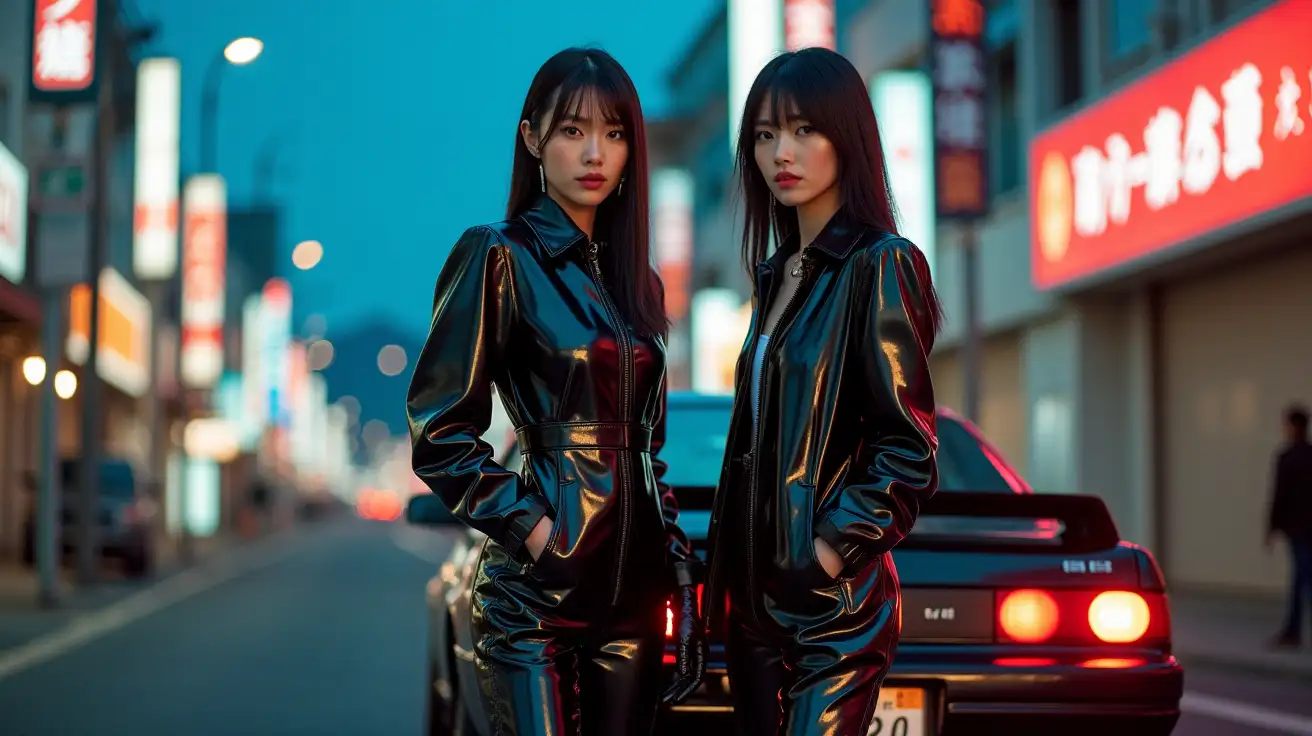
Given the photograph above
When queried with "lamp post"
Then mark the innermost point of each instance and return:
(239, 52)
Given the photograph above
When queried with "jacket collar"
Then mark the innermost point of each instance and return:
(837, 239)
(552, 227)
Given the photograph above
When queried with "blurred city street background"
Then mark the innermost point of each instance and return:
(220, 225)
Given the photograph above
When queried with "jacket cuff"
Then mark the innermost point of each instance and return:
(687, 573)
(521, 526)
(854, 558)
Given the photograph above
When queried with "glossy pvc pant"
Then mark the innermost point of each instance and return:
(557, 659)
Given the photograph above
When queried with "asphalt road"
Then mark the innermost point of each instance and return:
(325, 636)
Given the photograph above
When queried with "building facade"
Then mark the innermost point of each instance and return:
(1146, 356)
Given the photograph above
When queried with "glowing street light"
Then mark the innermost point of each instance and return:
(65, 384)
(34, 369)
(243, 50)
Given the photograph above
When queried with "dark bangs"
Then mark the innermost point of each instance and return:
(586, 86)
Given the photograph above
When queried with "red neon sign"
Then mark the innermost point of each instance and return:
(63, 45)
(1217, 136)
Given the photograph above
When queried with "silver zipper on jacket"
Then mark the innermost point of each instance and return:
(626, 384)
(754, 454)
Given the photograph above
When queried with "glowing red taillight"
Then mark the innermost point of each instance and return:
(669, 613)
(1029, 616)
(1032, 616)
(1119, 617)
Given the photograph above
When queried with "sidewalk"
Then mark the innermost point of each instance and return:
(1234, 632)
(22, 618)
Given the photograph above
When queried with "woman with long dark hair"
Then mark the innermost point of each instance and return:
(832, 444)
(559, 308)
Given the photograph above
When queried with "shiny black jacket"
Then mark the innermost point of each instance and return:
(847, 439)
(522, 305)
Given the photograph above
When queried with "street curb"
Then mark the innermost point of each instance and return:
(1250, 666)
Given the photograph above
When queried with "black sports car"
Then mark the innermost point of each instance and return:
(1022, 612)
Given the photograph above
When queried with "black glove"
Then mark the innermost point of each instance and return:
(691, 632)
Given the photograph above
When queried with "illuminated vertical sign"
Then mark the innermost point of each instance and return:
(672, 224)
(808, 24)
(204, 258)
(903, 102)
(64, 39)
(13, 216)
(755, 36)
(155, 211)
(255, 405)
(275, 350)
(956, 51)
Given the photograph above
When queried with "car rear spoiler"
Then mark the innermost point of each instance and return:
(1060, 522)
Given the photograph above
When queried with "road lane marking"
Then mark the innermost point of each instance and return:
(1245, 714)
(138, 605)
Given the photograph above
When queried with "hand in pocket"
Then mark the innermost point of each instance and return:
(538, 538)
(828, 558)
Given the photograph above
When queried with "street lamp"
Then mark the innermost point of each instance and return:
(243, 50)
(240, 52)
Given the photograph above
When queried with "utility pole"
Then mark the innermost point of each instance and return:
(88, 547)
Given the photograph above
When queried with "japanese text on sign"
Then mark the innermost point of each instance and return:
(960, 85)
(64, 45)
(1208, 141)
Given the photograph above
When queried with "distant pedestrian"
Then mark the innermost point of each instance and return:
(1291, 515)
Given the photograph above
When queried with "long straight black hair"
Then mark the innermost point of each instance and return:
(565, 84)
(822, 88)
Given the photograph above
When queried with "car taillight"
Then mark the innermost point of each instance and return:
(1033, 616)
(669, 612)
(1118, 617)
(1029, 616)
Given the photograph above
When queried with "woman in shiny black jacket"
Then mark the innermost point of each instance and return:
(832, 444)
(559, 308)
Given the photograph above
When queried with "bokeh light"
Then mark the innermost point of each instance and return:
(307, 254)
(391, 360)
(319, 355)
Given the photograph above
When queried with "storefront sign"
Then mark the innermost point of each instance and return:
(155, 218)
(903, 103)
(123, 359)
(809, 23)
(13, 216)
(1212, 139)
(956, 49)
(64, 50)
(204, 259)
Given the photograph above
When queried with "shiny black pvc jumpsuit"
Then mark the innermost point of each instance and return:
(571, 643)
(845, 451)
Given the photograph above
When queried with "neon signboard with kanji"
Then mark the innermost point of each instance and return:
(957, 55)
(1212, 139)
(64, 49)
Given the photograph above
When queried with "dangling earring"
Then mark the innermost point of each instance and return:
(771, 213)
(620, 189)
(543, 176)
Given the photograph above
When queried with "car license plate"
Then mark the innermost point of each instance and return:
(900, 712)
